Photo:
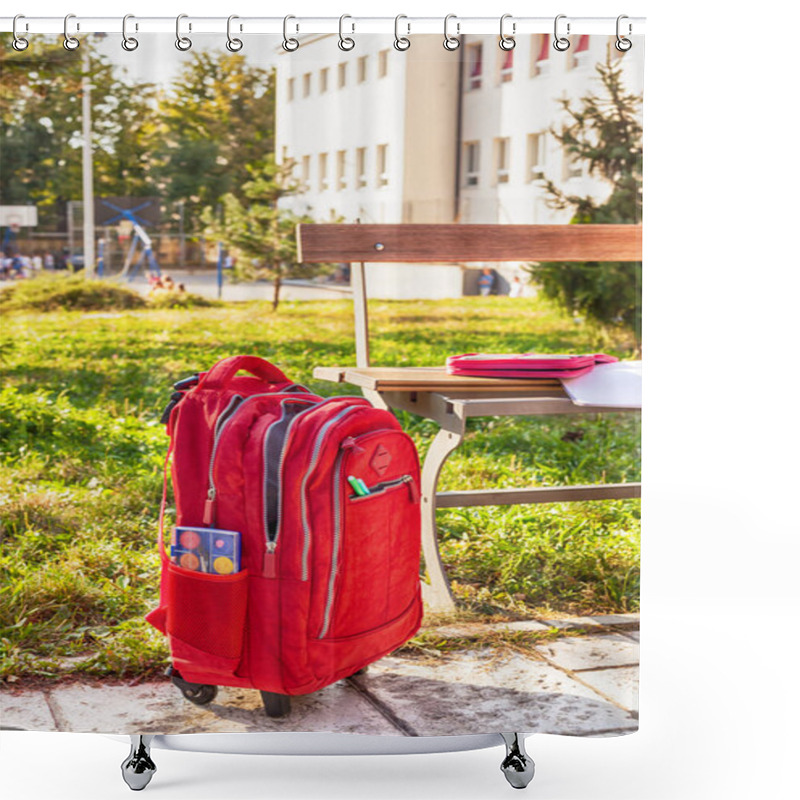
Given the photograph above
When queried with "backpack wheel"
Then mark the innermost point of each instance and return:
(198, 693)
(276, 705)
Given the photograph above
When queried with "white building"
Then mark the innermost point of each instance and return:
(381, 136)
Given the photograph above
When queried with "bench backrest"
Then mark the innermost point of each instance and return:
(404, 243)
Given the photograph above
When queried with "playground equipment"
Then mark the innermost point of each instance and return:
(136, 212)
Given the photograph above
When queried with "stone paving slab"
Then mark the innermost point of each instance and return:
(620, 684)
(487, 692)
(591, 652)
(160, 708)
(26, 711)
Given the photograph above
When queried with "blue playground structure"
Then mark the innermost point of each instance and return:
(133, 260)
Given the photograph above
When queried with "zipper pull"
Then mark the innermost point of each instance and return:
(208, 509)
(269, 567)
(348, 442)
(413, 489)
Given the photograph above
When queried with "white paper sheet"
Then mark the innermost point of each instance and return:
(618, 384)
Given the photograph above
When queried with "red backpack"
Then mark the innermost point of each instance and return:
(309, 507)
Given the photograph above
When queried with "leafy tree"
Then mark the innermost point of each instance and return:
(41, 129)
(606, 134)
(261, 232)
(216, 119)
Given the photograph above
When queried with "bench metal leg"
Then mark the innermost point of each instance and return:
(138, 768)
(436, 593)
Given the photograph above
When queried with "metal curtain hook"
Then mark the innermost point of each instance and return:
(183, 43)
(345, 42)
(401, 42)
(451, 42)
(70, 42)
(507, 42)
(623, 44)
(20, 43)
(560, 42)
(234, 45)
(129, 43)
(290, 45)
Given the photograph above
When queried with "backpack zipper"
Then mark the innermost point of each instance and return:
(235, 405)
(269, 569)
(227, 413)
(303, 504)
(379, 488)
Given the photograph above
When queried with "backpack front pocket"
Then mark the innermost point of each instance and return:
(205, 617)
(376, 572)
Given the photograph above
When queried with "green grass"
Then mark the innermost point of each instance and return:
(81, 454)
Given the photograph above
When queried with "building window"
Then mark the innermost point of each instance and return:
(323, 80)
(506, 65)
(307, 84)
(474, 66)
(579, 56)
(541, 61)
(305, 172)
(323, 172)
(342, 74)
(472, 159)
(383, 165)
(501, 157)
(537, 156)
(362, 69)
(290, 90)
(341, 169)
(383, 63)
(361, 167)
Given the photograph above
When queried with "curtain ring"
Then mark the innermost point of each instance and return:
(129, 43)
(345, 42)
(560, 43)
(451, 42)
(20, 43)
(401, 43)
(507, 42)
(290, 45)
(233, 44)
(70, 42)
(623, 44)
(183, 43)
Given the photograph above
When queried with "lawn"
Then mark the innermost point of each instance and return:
(81, 455)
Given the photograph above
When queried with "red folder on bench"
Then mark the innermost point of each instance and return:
(525, 365)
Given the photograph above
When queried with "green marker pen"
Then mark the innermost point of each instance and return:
(357, 486)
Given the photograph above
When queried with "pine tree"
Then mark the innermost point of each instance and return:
(258, 230)
(606, 134)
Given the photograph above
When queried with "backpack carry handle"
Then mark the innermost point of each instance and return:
(223, 372)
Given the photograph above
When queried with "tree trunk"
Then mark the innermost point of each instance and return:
(277, 292)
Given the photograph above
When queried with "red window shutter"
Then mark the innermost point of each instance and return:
(583, 43)
(508, 63)
(544, 50)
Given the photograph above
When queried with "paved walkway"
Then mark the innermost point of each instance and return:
(205, 283)
(583, 683)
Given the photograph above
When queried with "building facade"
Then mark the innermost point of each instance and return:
(423, 136)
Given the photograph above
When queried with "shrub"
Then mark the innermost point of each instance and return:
(179, 300)
(68, 293)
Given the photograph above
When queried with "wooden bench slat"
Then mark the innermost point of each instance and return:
(466, 243)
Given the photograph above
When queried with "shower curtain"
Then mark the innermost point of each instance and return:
(148, 199)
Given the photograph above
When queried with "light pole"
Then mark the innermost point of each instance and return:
(87, 167)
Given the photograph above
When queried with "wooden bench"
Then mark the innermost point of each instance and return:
(451, 400)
